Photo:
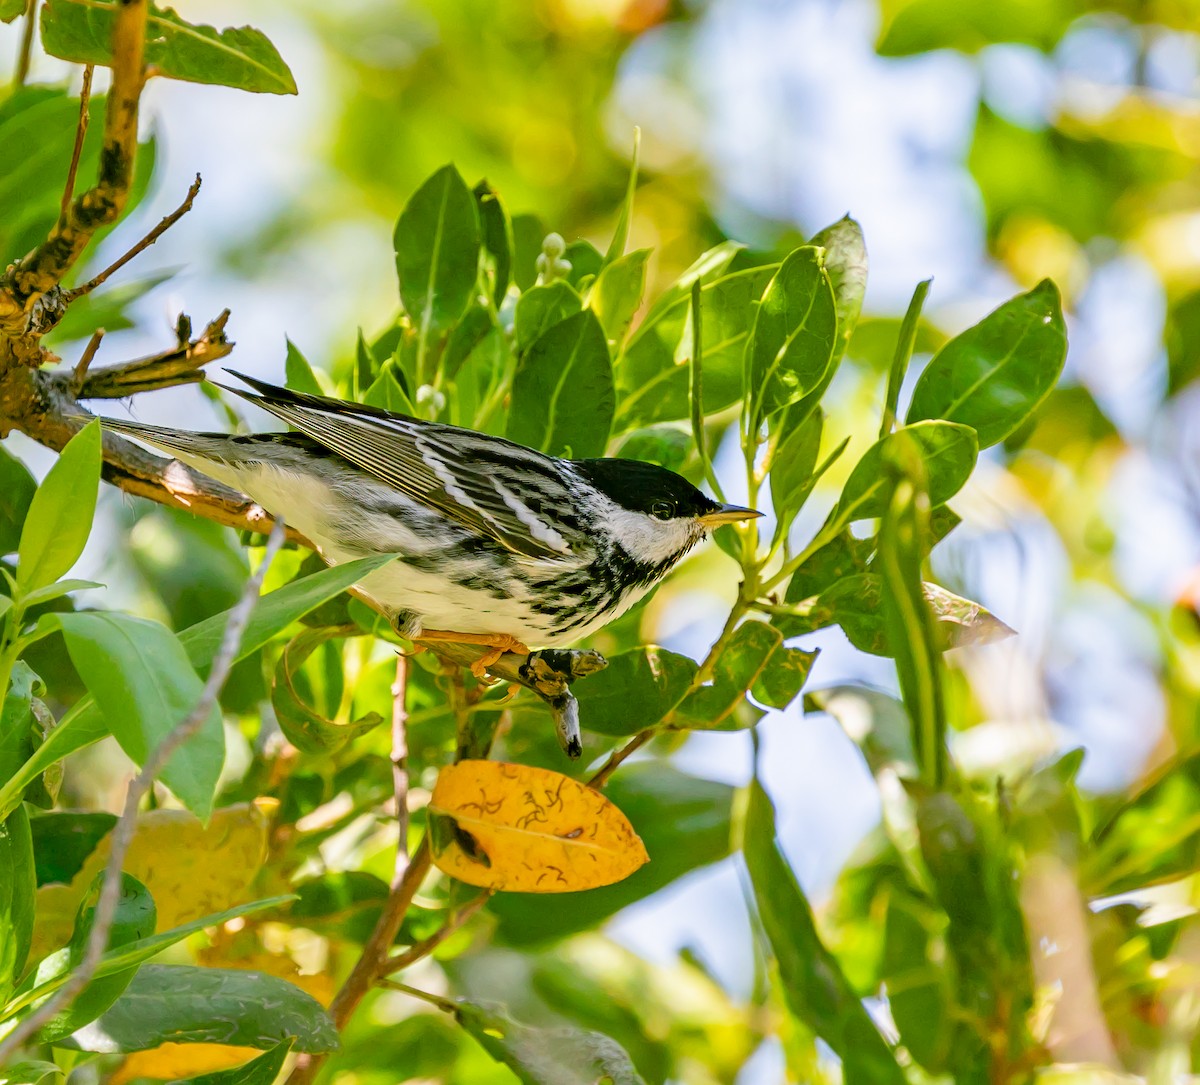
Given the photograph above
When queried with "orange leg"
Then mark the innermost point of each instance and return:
(498, 642)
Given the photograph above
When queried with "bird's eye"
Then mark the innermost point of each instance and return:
(662, 510)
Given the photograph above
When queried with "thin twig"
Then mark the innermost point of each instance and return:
(25, 51)
(188, 728)
(163, 226)
(617, 756)
(85, 359)
(422, 949)
(85, 94)
(400, 763)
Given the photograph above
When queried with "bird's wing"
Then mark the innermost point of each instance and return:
(500, 490)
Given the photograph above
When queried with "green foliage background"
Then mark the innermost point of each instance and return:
(988, 848)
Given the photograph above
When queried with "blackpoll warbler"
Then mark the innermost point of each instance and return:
(495, 544)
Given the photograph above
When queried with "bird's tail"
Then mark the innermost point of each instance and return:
(210, 446)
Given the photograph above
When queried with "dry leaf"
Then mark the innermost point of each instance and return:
(528, 830)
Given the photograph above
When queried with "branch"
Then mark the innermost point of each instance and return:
(422, 949)
(400, 762)
(163, 226)
(85, 94)
(110, 888)
(25, 312)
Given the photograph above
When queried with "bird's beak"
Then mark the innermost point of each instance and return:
(727, 514)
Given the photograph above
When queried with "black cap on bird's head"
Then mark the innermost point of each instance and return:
(655, 491)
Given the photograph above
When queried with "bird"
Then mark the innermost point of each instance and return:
(496, 544)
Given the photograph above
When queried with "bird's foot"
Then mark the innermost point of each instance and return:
(499, 643)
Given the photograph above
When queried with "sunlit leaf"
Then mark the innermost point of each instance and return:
(540, 308)
(738, 668)
(846, 264)
(299, 374)
(17, 487)
(636, 690)
(617, 293)
(519, 828)
(82, 31)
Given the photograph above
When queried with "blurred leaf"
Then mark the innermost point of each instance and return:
(993, 376)
(28, 1073)
(947, 450)
(665, 445)
(616, 294)
(496, 236)
(299, 376)
(18, 728)
(636, 690)
(1153, 836)
(738, 668)
(845, 262)
(906, 338)
(919, 989)
(135, 918)
(653, 376)
(107, 309)
(814, 986)
(437, 253)
(874, 341)
(260, 1071)
(793, 340)
(524, 829)
(542, 307)
(616, 248)
(387, 391)
(921, 26)
(59, 518)
(63, 840)
(304, 727)
(82, 31)
(200, 1005)
(17, 886)
(875, 721)
(546, 1056)
(145, 685)
(684, 823)
(17, 487)
(585, 261)
(562, 392)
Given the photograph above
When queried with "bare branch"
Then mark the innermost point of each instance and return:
(25, 51)
(85, 359)
(122, 836)
(618, 756)
(85, 94)
(25, 282)
(141, 246)
(422, 949)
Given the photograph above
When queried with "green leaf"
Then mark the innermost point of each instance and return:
(182, 1004)
(271, 615)
(497, 237)
(134, 919)
(110, 308)
(28, 1073)
(387, 392)
(665, 445)
(62, 841)
(1153, 836)
(919, 989)
(814, 986)
(947, 450)
(59, 519)
(17, 889)
(260, 1071)
(17, 725)
(141, 677)
(562, 392)
(34, 988)
(616, 248)
(921, 26)
(842, 557)
(781, 680)
(653, 374)
(527, 233)
(542, 307)
(684, 823)
(437, 252)
(738, 668)
(793, 465)
(636, 690)
(845, 262)
(546, 1056)
(82, 31)
(298, 374)
(17, 487)
(585, 261)
(304, 727)
(993, 376)
(617, 293)
(906, 338)
(792, 344)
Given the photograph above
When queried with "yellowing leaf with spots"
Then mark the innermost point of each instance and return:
(528, 830)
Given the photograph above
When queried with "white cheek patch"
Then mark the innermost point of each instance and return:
(646, 539)
(538, 527)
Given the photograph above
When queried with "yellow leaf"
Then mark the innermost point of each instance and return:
(528, 830)
(172, 1062)
(191, 870)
